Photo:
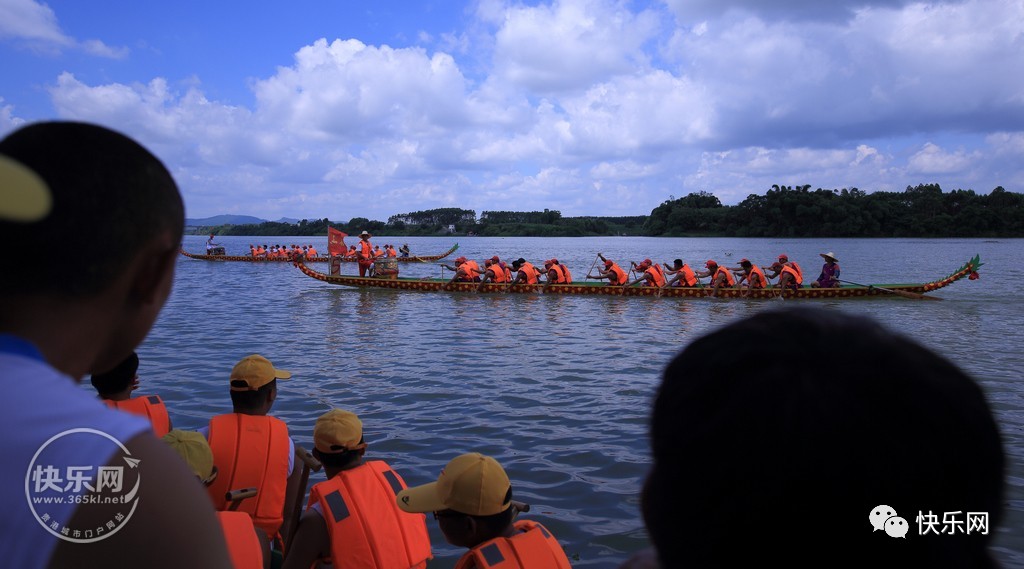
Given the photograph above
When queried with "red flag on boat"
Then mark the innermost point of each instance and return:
(335, 241)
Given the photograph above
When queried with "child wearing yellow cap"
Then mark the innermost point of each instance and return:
(472, 502)
(352, 518)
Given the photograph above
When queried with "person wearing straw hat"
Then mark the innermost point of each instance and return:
(472, 503)
(829, 277)
(353, 518)
(364, 256)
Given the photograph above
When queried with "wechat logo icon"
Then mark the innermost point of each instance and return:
(885, 518)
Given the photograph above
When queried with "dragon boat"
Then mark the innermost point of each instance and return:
(320, 259)
(917, 291)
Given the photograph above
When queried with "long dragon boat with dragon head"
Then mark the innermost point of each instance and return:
(391, 282)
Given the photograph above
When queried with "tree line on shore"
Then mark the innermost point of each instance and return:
(783, 211)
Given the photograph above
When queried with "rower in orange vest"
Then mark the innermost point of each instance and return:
(526, 272)
(115, 389)
(720, 276)
(353, 520)
(495, 273)
(750, 276)
(789, 273)
(557, 273)
(247, 544)
(311, 252)
(253, 449)
(612, 271)
(652, 274)
(684, 275)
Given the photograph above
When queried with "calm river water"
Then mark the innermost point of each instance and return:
(556, 388)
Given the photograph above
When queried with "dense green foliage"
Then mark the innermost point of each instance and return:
(784, 211)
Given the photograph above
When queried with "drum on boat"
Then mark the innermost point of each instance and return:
(386, 267)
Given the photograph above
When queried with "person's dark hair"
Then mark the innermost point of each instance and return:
(782, 432)
(340, 460)
(108, 192)
(251, 400)
(489, 527)
(678, 262)
(117, 379)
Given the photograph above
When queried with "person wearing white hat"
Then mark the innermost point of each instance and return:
(829, 277)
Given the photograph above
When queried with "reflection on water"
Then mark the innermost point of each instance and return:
(556, 388)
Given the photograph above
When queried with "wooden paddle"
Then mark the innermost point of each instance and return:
(903, 293)
(701, 285)
(768, 283)
(592, 265)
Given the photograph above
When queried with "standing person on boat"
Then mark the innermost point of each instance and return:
(684, 275)
(364, 256)
(612, 271)
(650, 274)
(63, 321)
(789, 273)
(353, 518)
(829, 277)
(115, 389)
(247, 544)
(253, 449)
(526, 273)
(210, 245)
(720, 276)
(751, 277)
(472, 503)
(737, 449)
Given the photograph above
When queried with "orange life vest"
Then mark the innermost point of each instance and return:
(565, 274)
(366, 249)
(472, 269)
(366, 526)
(729, 280)
(755, 270)
(794, 269)
(148, 406)
(657, 276)
(532, 548)
(620, 275)
(243, 544)
(498, 272)
(251, 451)
(530, 271)
(689, 278)
(311, 253)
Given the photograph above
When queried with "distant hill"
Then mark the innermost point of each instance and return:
(223, 220)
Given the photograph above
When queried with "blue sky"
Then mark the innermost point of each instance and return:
(346, 108)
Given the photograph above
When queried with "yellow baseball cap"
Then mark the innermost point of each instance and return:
(471, 484)
(338, 430)
(194, 448)
(253, 372)
(24, 196)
